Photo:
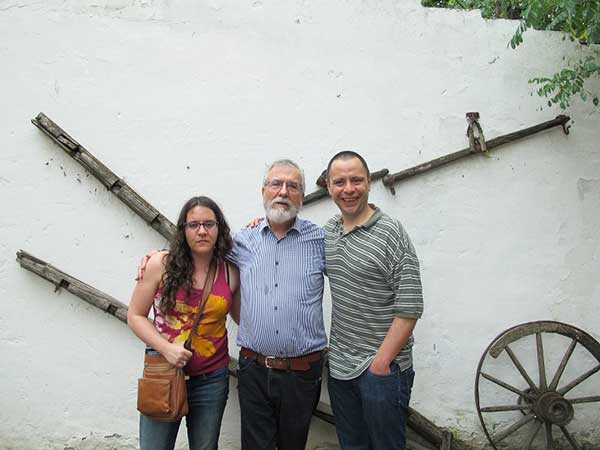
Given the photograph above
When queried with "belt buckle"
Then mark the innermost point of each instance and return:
(267, 361)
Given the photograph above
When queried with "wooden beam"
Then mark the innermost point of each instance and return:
(390, 180)
(82, 290)
(107, 177)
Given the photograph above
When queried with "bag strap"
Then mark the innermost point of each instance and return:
(208, 282)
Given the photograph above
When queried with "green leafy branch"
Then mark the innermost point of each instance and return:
(569, 82)
(579, 20)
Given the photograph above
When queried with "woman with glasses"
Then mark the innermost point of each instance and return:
(172, 287)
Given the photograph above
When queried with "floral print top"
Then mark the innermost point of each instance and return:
(209, 345)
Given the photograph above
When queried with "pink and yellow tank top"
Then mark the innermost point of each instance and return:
(209, 345)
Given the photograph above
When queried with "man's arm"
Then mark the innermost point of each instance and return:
(405, 280)
(395, 339)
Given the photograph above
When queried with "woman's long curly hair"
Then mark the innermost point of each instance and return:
(179, 265)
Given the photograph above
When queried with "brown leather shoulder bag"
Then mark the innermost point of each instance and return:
(162, 393)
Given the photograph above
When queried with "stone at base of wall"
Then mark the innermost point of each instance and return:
(90, 442)
(109, 442)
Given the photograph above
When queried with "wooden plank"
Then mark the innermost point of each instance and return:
(82, 290)
(430, 431)
(392, 179)
(107, 177)
(446, 440)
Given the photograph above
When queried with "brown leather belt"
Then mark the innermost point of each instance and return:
(300, 364)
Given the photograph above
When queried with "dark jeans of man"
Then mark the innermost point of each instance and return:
(276, 405)
(370, 410)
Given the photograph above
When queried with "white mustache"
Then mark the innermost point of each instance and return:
(280, 200)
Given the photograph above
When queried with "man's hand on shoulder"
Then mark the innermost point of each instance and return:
(253, 223)
(144, 263)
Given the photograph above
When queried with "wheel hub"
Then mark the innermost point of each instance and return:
(554, 408)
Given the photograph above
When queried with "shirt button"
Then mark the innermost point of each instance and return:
(276, 263)
(276, 285)
(276, 331)
(276, 308)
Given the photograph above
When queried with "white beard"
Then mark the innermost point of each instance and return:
(279, 215)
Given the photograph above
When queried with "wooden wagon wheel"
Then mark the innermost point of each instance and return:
(548, 405)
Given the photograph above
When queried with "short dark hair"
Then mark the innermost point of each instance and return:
(347, 154)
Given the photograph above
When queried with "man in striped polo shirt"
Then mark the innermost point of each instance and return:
(281, 331)
(376, 300)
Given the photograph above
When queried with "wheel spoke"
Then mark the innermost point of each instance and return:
(541, 363)
(507, 386)
(563, 390)
(536, 430)
(549, 440)
(523, 407)
(520, 368)
(514, 427)
(592, 399)
(570, 438)
(562, 365)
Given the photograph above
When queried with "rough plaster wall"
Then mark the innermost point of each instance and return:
(184, 98)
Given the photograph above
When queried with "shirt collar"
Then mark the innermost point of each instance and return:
(264, 225)
(377, 214)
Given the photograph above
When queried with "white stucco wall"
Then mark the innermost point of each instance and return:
(186, 98)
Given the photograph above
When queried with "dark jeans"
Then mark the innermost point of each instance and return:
(370, 410)
(207, 395)
(276, 405)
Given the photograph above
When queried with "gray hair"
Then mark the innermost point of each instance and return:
(284, 163)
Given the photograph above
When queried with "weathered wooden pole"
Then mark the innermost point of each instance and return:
(391, 179)
(107, 177)
(82, 290)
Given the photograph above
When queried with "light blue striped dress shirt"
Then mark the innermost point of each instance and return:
(281, 289)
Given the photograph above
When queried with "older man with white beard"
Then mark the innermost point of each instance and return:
(281, 332)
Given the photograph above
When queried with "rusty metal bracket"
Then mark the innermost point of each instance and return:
(475, 133)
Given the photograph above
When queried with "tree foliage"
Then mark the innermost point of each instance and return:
(578, 20)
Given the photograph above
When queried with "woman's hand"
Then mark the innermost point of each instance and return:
(177, 354)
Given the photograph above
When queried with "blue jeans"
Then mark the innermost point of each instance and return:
(207, 395)
(370, 410)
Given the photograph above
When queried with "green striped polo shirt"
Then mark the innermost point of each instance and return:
(374, 277)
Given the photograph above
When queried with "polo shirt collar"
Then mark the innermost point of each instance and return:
(377, 214)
